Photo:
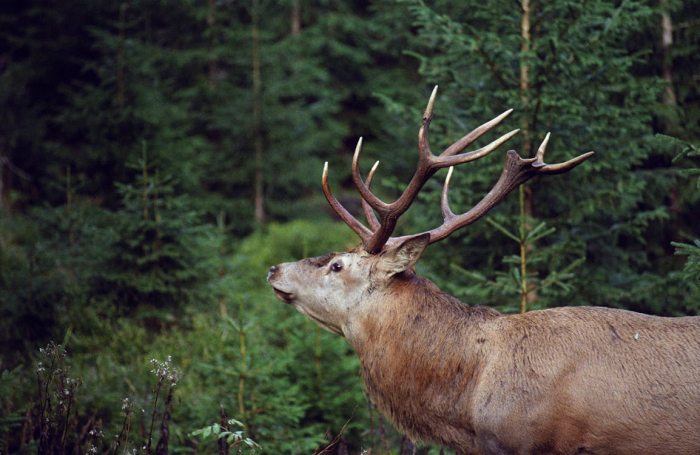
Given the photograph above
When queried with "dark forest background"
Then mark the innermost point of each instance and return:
(157, 156)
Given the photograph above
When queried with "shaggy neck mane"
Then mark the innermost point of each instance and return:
(412, 302)
(414, 367)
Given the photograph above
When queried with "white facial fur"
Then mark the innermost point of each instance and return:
(331, 289)
(325, 289)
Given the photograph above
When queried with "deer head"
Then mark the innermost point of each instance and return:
(337, 288)
(332, 289)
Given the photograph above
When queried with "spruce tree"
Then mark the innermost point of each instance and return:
(569, 68)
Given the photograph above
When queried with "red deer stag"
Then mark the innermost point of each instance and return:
(560, 381)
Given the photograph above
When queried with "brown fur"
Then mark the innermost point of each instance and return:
(567, 380)
(561, 381)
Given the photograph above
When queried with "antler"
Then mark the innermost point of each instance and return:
(516, 171)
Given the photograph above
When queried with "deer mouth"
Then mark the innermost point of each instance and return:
(286, 297)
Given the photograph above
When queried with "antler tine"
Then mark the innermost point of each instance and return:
(557, 168)
(542, 149)
(374, 224)
(462, 143)
(447, 213)
(445, 161)
(346, 216)
(516, 171)
(475, 134)
(423, 145)
(362, 187)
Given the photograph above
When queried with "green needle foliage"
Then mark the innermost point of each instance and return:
(153, 260)
(520, 280)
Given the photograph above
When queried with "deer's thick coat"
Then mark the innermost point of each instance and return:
(577, 380)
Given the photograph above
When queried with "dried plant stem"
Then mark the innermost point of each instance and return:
(153, 417)
(241, 382)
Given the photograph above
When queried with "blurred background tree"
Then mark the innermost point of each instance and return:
(156, 157)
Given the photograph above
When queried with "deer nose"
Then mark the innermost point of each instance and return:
(272, 271)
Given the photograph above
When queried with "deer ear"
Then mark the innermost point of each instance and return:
(404, 256)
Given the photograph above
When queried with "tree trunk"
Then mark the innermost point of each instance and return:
(669, 97)
(666, 43)
(525, 192)
(296, 17)
(526, 123)
(525, 75)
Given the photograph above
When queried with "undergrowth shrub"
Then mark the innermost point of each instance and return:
(240, 354)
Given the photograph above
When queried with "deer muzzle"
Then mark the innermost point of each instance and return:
(272, 276)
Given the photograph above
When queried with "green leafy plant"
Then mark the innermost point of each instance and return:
(232, 438)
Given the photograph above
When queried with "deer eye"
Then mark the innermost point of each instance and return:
(336, 267)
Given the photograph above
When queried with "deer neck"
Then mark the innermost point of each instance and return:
(420, 355)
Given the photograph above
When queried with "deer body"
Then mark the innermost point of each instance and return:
(560, 381)
(565, 381)
(579, 380)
